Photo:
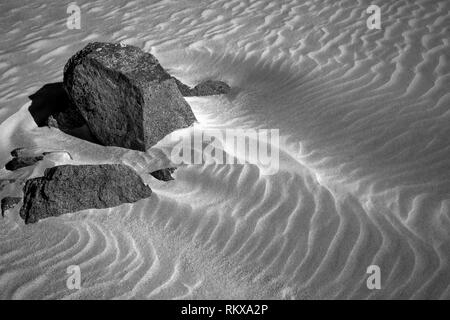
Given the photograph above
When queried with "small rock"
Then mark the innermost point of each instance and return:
(210, 88)
(70, 188)
(52, 122)
(19, 152)
(24, 153)
(21, 162)
(205, 88)
(127, 99)
(22, 157)
(164, 174)
(8, 203)
(185, 90)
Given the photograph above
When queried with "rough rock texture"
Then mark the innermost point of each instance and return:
(205, 88)
(21, 162)
(71, 188)
(210, 88)
(164, 174)
(185, 90)
(22, 158)
(125, 96)
(8, 203)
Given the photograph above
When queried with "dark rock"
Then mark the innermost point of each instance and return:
(19, 152)
(22, 157)
(210, 88)
(125, 96)
(68, 119)
(164, 174)
(185, 90)
(70, 188)
(24, 153)
(8, 203)
(21, 162)
(205, 88)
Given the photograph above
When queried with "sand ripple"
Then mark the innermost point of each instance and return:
(363, 118)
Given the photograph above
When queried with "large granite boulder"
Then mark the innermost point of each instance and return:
(71, 188)
(125, 96)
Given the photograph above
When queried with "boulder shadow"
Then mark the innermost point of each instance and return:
(51, 107)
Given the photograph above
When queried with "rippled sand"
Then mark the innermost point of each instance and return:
(364, 173)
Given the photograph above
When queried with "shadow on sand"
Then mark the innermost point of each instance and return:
(51, 106)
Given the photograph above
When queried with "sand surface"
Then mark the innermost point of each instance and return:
(364, 174)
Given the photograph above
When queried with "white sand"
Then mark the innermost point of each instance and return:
(364, 178)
